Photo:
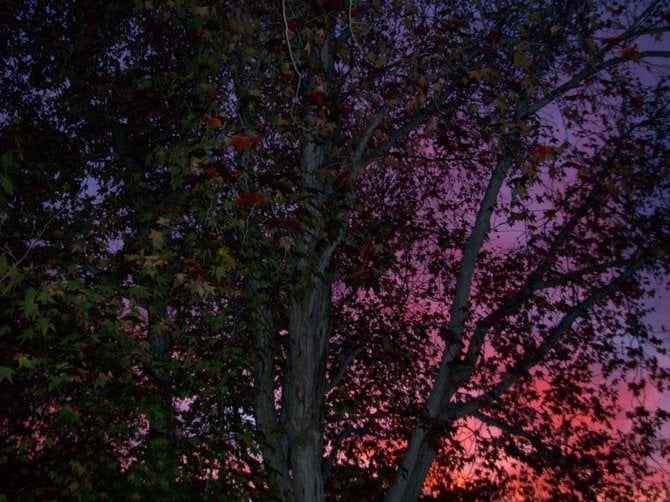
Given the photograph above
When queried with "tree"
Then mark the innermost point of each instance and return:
(287, 250)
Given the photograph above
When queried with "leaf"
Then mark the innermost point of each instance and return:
(8, 160)
(521, 59)
(529, 170)
(7, 184)
(67, 415)
(325, 127)
(630, 53)
(214, 121)
(614, 40)
(251, 199)
(286, 242)
(480, 74)
(317, 96)
(241, 142)
(225, 258)
(43, 325)
(6, 373)
(201, 10)
(156, 237)
(542, 151)
(477, 75)
(25, 361)
(101, 380)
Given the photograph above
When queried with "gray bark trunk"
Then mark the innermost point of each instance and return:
(274, 446)
(418, 459)
(305, 387)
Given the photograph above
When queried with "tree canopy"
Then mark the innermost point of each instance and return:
(309, 250)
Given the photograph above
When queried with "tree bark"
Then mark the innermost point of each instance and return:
(274, 446)
(414, 469)
(305, 387)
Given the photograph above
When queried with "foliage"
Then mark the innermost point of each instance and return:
(308, 249)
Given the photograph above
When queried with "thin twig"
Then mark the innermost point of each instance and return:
(287, 33)
(351, 29)
(31, 247)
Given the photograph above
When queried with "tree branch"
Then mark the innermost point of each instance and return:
(512, 301)
(31, 246)
(357, 161)
(329, 461)
(554, 455)
(342, 369)
(587, 72)
(514, 373)
(462, 289)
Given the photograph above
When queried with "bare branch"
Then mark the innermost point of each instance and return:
(358, 160)
(342, 369)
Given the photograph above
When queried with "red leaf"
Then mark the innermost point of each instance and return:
(246, 200)
(613, 40)
(214, 121)
(630, 53)
(293, 225)
(240, 142)
(210, 171)
(317, 96)
(542, 151)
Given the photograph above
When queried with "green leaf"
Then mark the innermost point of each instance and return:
(6, 374)
(7, 184)
(44, 325)
(29, 306)
(7, 160)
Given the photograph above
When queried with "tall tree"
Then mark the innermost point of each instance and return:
(285, 250)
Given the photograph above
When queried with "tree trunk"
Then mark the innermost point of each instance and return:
(416, 462)
(273, 445)
(305, 387)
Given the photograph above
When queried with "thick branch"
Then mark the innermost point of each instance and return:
(552, 454)
(581, 76)
(358, 161)
(533, 284)
(459, 306)
(525, 292)
(600, 64)
(420, 453)
(514, 373)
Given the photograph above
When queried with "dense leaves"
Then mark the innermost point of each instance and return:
(302, 250)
